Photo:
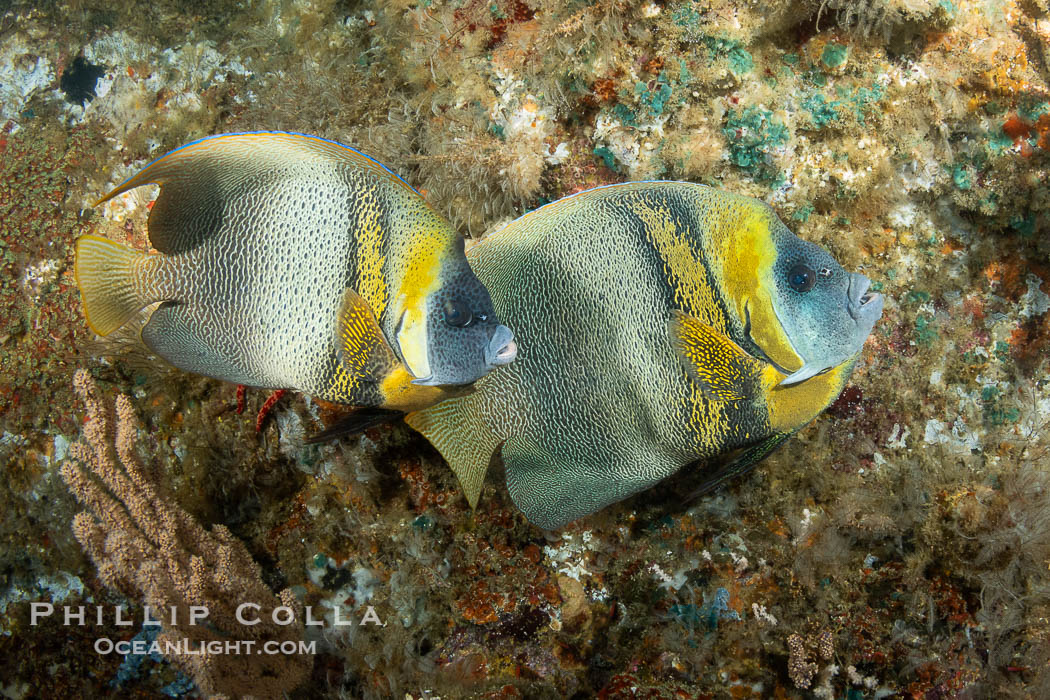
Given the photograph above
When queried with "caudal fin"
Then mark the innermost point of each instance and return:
(104, 272)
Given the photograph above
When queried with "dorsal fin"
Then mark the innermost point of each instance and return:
(199, 179)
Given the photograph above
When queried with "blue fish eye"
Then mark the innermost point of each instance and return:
(457, 313)
(801, 278)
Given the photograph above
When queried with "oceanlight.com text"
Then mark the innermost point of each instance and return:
(190, 647)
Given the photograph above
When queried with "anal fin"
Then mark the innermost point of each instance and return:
(466, 442)
(173, 333)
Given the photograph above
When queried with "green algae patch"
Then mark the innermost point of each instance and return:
(607, 157)
(834, 55)
(740, 61)
(803, 213)
(752, 134)
(822, 113)
(962, 177)
(1030, 110)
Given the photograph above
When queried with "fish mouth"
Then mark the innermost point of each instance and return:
(862, 304)
(501, 350)
(505, 355)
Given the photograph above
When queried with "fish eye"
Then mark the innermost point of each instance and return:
(801, 278)
(457, 313)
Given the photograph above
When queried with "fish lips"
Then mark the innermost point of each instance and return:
(863, 306)
(501, 350)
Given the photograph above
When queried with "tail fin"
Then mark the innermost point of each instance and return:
(104, 272)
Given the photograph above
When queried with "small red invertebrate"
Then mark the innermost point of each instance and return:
(267, 406)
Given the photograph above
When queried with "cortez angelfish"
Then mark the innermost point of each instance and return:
(659, 324)
(289, 261)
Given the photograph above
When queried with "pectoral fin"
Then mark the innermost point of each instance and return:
(360, 344)
(724, 371)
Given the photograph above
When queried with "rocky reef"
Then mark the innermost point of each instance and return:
(899, 546)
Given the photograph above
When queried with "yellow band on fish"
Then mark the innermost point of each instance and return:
(748, 274)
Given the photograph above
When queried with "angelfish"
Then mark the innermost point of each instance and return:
(289, 261)
(660, 324)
